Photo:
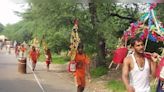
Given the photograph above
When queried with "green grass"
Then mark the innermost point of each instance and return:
(116, 86)
(41, 58)
(56, 59)
(99, 71)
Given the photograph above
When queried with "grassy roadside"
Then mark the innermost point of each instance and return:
(98, 72)
(118, 86)
(113, 85)
(56, 59)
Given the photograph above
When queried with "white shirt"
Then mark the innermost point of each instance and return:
(139, 79)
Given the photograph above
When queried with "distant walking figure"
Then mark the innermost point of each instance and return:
(34, 54)
(48, 58)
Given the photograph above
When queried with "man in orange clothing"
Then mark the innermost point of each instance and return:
(48, 58)
(23, 50)
(34, 54)
(82, 65)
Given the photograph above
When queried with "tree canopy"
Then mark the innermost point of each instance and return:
(98, 23)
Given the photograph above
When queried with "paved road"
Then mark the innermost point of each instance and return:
(39, 81)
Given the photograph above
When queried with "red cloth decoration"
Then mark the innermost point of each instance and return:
(154, 34)
(152, 6)
(147, 55)
(160, 38)
(133, 29)
(145, 34)
(160, 65)
(119, 55)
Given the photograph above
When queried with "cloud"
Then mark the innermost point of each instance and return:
(7, 8)
(18, 1)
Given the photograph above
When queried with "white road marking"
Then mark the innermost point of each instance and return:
(36, 78)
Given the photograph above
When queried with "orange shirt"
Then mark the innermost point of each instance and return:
(23, 49)
(33, 55)
(82, 60)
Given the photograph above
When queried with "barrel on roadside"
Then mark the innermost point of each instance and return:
(22, 65)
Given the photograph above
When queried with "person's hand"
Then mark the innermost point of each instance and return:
(130, 89)
(89, 78)
(154, 57)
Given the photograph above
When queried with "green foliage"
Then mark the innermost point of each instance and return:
(42, 57)
(18, 31)
(116, 86)
(160, 12)
(111, 27)
(58, 41)
(109, 33)
(56, 59)
(1, 27)
(54, 19)
(99, 71)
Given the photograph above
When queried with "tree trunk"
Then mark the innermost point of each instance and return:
(101, 51)
(100, 40)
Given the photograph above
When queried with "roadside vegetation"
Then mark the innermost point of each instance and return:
(100, 27)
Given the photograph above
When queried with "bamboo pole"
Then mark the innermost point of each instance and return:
(146, 41)
(158, 30)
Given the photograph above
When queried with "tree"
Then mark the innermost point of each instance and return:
(108, 25)
(160, 12)
(100, 24)
(1, 27)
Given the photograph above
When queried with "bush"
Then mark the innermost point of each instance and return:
(56, 59)
(99, 71)
(116, 86)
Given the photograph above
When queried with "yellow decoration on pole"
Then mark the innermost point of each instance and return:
(35, 42)
(75, 40)
(44, 45)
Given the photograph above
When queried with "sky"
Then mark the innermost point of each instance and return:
(7, 8)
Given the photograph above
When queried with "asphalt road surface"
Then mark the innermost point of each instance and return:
(39, 81)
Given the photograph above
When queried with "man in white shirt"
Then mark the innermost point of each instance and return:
(137, 68)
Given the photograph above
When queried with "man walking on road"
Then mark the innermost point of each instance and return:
(34, 54)
(48, 58)
(82, 65)
(137, 68)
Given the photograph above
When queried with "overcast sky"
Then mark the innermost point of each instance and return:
(7, 8)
